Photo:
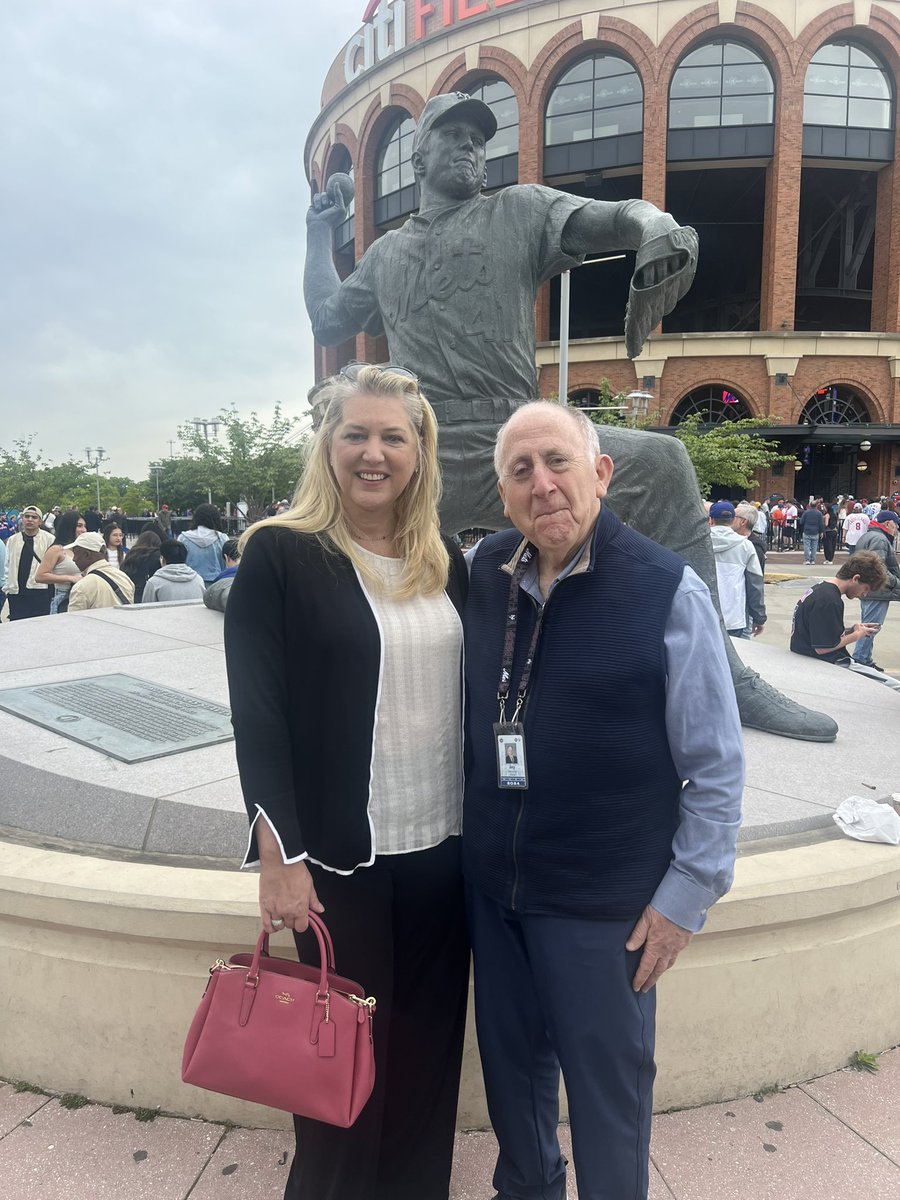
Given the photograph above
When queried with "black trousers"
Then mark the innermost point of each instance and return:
(399, 930)
(32, 602)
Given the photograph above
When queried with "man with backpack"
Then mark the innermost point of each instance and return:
(103, 585)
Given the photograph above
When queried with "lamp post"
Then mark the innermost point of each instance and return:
(94, 459)
(565, 291)
(204, 424)
(156, 468)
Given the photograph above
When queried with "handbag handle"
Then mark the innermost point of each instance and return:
(321, 932)
(329, 944)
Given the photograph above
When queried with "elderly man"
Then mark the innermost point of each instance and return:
(103, 585)
(880, 538)
(592, 860)
(453, 290)
(738, 573)
(24, 551)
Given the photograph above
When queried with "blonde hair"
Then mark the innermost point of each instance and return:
(316, 506)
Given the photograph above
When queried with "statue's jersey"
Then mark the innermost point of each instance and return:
(454, 293)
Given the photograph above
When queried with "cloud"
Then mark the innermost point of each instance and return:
(154, 195)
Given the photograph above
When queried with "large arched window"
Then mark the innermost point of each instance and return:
(835, 405)
(713, 404)
(395, 180)
(594, 117)
(503, 148)
(721, 83)
(846, 86)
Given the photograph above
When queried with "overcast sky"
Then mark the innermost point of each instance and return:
(153, 200)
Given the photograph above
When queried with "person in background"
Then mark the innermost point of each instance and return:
(2, 573)
(24, 553)
(818, 630)
(173, 579)
(216, 595)
(857, 524)
(204, 541)
(811, 526)
(879, 538)
(92, 519)
(102, 585)
(114, 539)
(829, 542)
(142, 560)
(738, 574)
(58, 565)
(345, 614)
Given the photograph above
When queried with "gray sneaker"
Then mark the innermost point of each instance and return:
(763, 707)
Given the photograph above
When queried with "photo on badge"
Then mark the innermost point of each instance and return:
(511, 769)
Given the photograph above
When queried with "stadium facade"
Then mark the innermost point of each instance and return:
(769, 127)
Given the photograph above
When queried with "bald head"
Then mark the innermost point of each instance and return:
(550, 410)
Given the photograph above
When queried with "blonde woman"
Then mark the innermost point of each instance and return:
(343, 642)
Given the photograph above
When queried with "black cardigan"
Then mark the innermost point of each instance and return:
(303, 652)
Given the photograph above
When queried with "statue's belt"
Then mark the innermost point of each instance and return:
(473, 412)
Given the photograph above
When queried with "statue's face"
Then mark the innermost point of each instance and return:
(451, 160)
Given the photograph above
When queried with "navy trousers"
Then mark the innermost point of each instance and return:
(551, 993)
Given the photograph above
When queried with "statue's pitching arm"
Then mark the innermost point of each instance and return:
(666, 257)
(321, 282)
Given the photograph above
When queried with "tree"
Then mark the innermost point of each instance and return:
(251, 459)
(729, 453)
(25, 478)
(726, 454)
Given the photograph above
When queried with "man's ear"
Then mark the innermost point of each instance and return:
(603, 465)
(417, 165)
(503, 498)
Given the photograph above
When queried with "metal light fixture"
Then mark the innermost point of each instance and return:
(865, 445)
(798, 465)
(862, 465)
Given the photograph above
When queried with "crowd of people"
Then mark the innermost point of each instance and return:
(65, 561)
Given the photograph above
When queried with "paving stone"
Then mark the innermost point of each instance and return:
(91, 1154)
(251, 1164)
(16, 1107)
(868, 1103)
(782, 1147)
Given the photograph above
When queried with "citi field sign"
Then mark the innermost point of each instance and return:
(384, 27)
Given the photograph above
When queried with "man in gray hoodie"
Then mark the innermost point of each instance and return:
(175, 580)
(738, 574)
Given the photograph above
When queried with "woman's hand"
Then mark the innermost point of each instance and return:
(286, 891)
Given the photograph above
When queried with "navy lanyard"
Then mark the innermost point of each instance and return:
(509, 641)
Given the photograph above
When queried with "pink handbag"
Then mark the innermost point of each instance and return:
(284, 1034)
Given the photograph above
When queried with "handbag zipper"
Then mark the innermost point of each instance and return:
(369, 1001)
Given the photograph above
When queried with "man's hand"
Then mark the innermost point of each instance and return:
(330, 207)
(757, 630)
(662, 940)
(664, 270)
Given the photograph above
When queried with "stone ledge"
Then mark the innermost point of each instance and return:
(104, 963)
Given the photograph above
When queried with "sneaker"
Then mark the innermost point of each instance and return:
(763, 707)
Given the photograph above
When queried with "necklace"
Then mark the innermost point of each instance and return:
(365, 537)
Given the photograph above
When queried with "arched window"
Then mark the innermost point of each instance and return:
(846, 86)
(503, 148)
(719, 84)
(594, 117)
(835, 405)
(586, 397)
(713, 404)
(395, 180)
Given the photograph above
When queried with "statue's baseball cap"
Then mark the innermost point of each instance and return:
(456, 106)
(88, 541)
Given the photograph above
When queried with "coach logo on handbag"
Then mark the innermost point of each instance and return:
(285, 998)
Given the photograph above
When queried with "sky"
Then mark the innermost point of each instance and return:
(153, 199)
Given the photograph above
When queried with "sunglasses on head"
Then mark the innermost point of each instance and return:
(352, 370)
